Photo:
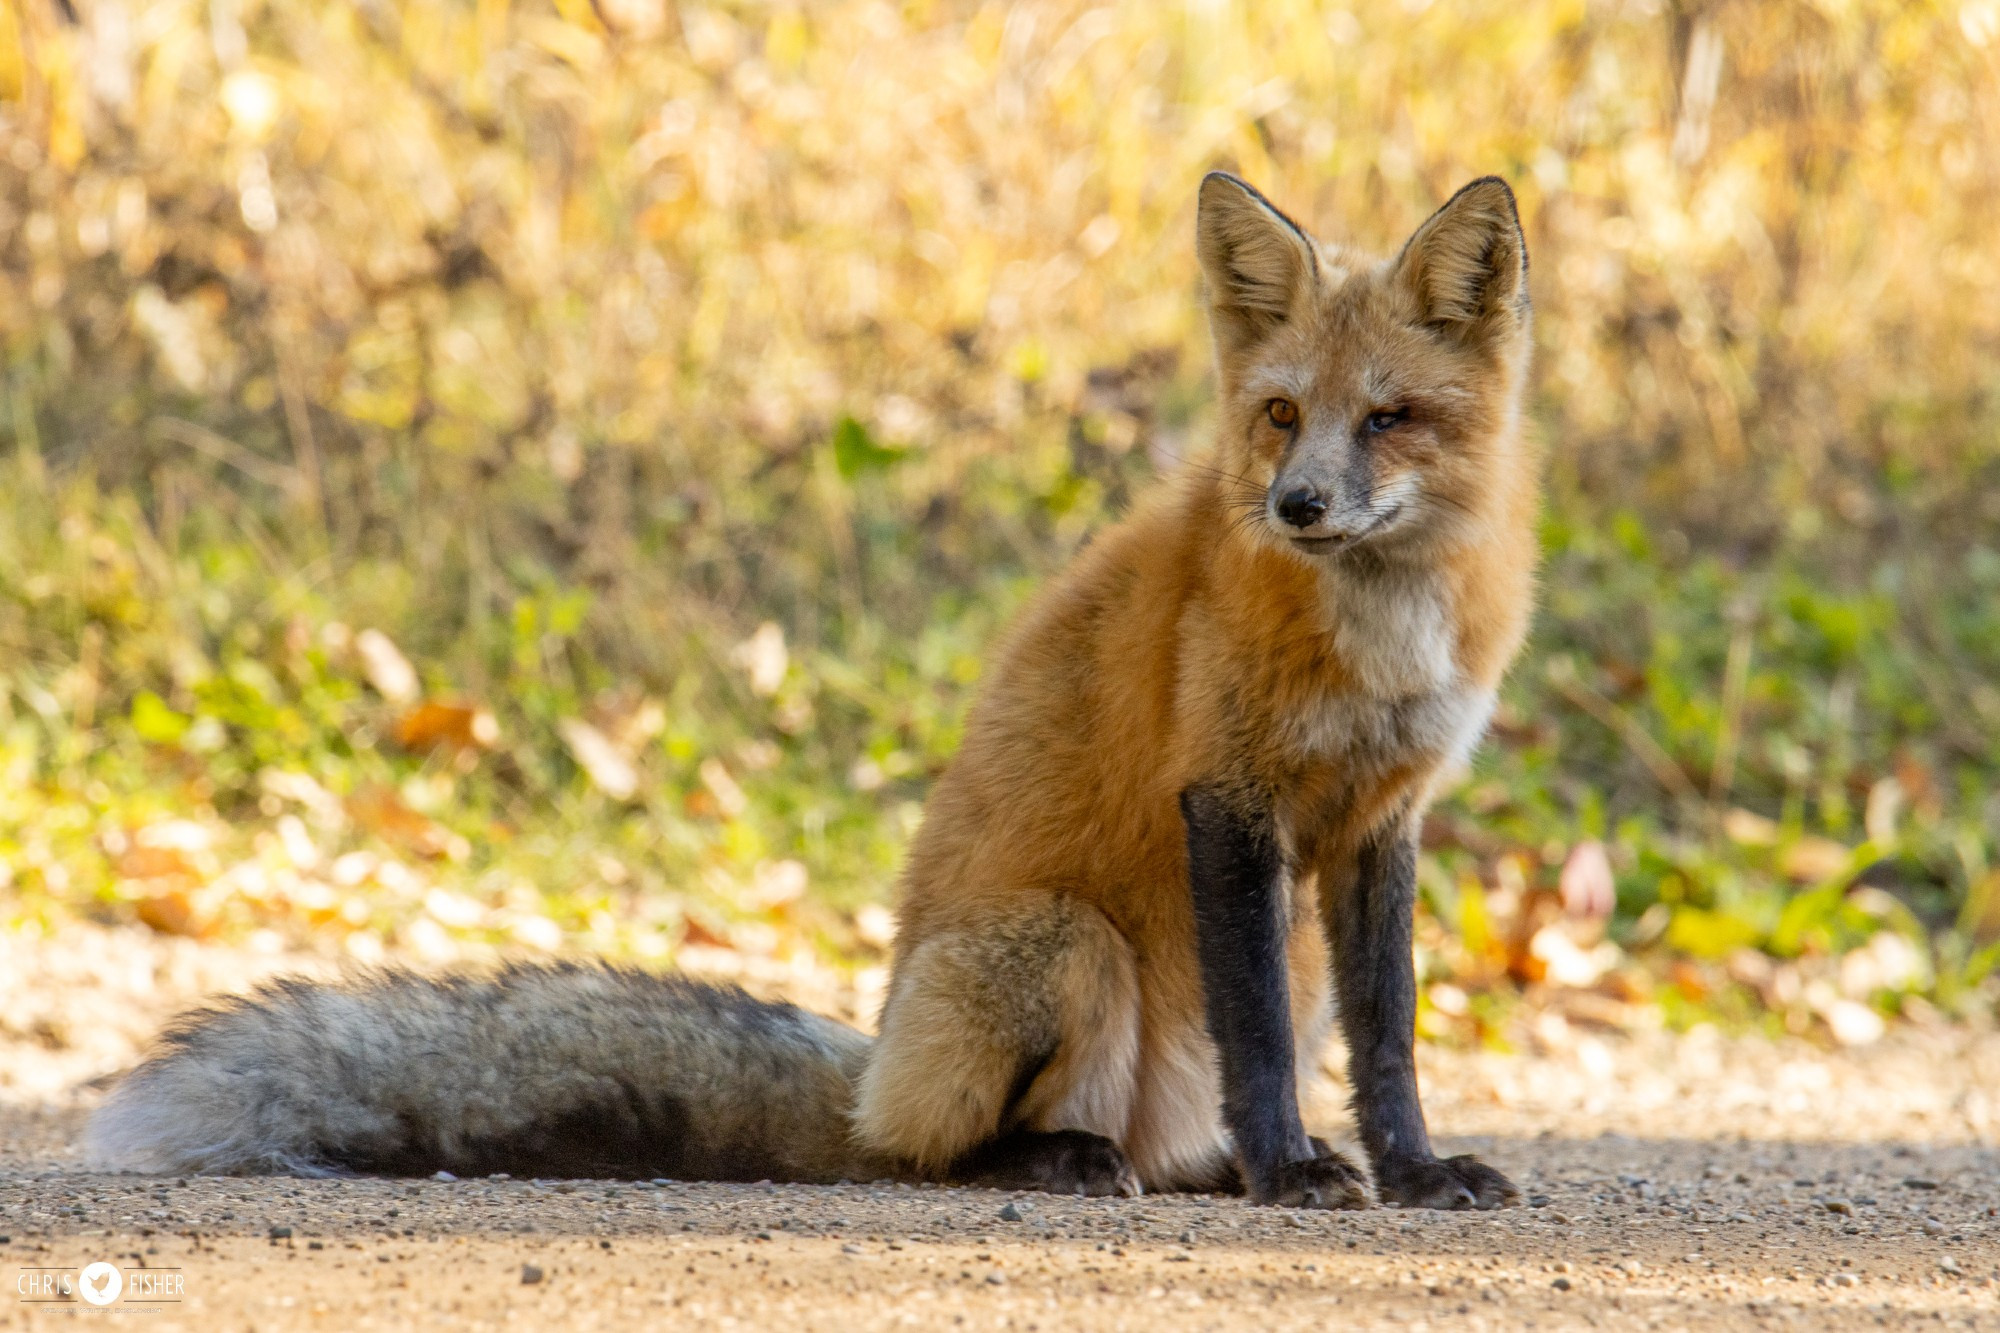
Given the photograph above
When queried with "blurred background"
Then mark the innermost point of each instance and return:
(494, 475)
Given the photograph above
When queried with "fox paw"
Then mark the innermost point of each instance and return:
(1067, 1161)
(1326, 1181)
(1451, 1182)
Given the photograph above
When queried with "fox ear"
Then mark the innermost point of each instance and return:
(1468, 264)
(1257, 261)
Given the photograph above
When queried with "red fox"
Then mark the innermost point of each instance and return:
(1182, 824)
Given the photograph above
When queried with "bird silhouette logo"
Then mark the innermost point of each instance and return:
(100, 1283)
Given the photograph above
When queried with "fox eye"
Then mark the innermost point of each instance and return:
(1283, 412)
(1381, 421)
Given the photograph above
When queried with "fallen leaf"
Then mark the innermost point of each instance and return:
(695, 933)
(876, 925)
(385, 667)
(143, 862)
(537, 932)
(432, 724)
(454, 909)
(1885, 804)
(729, 797)
(1449, 999)
(303, 788)
(1689, 980)
(299, 847)
(1853, 1024)
(182, 835)
(383, 812)
(171, 913)
(1746, 828)
(764, 657)
(608, 770)
(775, 883)
(1811, 860)
(1587, 886)
(1566, 963)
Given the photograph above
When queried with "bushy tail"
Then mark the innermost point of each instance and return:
(536, 1070)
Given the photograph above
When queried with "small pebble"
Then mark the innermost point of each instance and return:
(1919, 1183)
(530, 1275)
(1560, 1284)
(1009, 1213)
(445, 1176)
(1841, 1206)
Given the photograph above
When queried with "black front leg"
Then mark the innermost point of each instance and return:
(1235, 875)
(1367, 912)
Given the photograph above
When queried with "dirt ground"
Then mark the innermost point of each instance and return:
(1682, 1181)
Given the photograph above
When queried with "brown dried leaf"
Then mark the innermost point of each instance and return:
(462, 726)
(172, 913)
(383, 812)
(1810, 860)
(144, 862)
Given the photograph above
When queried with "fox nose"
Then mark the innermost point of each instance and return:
(1301, 507)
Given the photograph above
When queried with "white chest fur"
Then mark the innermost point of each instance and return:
(1392, 629)
(1394, 633)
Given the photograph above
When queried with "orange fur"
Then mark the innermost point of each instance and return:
(1046, 919)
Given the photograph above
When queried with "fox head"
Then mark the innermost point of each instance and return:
(1366, 404)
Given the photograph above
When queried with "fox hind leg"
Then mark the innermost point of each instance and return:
(1008, 1052)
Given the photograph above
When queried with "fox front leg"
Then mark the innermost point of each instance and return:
(1234, 873)
(1366, 905)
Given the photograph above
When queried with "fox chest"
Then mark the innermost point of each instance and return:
(1402, 702)
(1367, 735)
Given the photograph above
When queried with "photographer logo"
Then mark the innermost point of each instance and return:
(100, 1283)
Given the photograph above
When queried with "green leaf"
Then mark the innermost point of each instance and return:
(156, 722)
(1709, 934)
(1816, 913)
(856, 452)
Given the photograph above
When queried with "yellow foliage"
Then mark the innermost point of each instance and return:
(676, 225)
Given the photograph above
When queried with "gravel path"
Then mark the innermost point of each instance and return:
(1678, 1182)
